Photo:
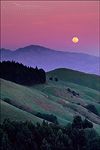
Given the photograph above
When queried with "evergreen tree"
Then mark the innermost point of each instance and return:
(21, 74)
(47, 136)
(45, 145)
(87, 124)
(77, 122)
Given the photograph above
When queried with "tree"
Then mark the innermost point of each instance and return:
(94, 144)
(87, 124)
(90, 133)
(74, 93)
(77, 122)
(56, 79)
(5, 142)
(92, 108)
(78, 139)
(45, 145)
(50, 78)
(69, 90)
(47, 136)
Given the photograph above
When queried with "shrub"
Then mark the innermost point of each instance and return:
(69, 90)
(7, 100)
(77, 122)
(73, 92)
(87, 124)
(50, 78)
(51, 118)
(92, 108)
(56, 79)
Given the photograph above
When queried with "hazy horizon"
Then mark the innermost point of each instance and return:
(50, 49)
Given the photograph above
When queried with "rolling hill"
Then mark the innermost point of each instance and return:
(49, 59)
(80, 78)
(51, 98)
(17, 115)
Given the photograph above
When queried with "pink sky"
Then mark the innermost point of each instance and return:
(52, 24)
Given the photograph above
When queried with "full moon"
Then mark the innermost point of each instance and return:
(75, 39)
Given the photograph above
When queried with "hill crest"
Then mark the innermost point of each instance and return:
(80, 78)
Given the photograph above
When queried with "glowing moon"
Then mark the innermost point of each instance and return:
(75, 39)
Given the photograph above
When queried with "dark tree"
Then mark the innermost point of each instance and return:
(92, 108)
(69, 90)
(87, 124)
(45, 145)
(51, 118)
(77, 122)
(16, 135)
(74, 93)
(50, 78)
(56, 79)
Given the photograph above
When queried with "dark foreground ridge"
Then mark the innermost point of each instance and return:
(79, 135)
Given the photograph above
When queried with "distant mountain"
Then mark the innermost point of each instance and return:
(50, 59)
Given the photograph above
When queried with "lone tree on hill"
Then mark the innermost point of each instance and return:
(69, 90)
(56, 79)
(50, 78)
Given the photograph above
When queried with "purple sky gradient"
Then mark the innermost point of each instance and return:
(51, 24)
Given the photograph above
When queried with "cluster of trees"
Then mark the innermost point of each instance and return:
(21, 74)
(51, 118)
(73, 92)
(48, 136)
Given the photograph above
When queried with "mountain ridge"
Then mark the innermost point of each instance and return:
(43, 47)
(49, 59)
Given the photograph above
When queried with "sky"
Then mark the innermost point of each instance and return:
(51, 24)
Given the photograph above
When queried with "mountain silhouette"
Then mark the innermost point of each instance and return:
(49, 59)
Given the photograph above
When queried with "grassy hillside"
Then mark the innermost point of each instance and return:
(52, 98)
(80, 78)
(13, 113)
(31, 100)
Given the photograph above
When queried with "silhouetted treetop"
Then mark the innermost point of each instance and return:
(18, 73)
(48, 136)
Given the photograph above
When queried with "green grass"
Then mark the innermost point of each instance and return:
(80, 78)
(15, 114)
(32, 98)
(52, 98)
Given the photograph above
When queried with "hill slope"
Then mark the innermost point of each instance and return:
(49, 59)
(80, 78)
(13, 113)
(49, 98)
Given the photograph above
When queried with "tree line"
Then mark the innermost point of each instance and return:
(78, 135)
(18, 73)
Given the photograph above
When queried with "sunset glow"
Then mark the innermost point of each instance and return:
(51, 24)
